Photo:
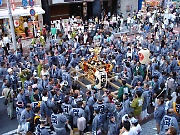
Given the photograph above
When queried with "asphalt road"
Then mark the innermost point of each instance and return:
(6, 124)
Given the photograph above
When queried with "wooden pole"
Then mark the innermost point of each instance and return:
(114, 94)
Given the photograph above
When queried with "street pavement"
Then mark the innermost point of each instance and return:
(147, 128)
(6, 124)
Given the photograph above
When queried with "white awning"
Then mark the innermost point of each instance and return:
(20, 11)
(69, 1)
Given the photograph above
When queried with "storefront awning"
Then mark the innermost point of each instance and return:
(20, 11)
(69, 1)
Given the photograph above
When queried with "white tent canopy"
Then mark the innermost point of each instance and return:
(20, 11)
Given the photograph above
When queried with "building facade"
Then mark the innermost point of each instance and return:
(20, 14)
(56, 9)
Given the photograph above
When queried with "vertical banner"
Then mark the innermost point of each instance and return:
(13, 5)
(97, 8)
(140, 4)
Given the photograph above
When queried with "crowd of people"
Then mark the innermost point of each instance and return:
(44, 93)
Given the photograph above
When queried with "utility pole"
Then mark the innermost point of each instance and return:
(11, 25)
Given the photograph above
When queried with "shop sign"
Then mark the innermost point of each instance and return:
(24, 3)
(13, 5)
(31, 3)
(16, 17)
(32, 12)
(0, 2)
(16, 23)
(33, 18)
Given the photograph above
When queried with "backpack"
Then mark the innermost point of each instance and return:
(81, 123)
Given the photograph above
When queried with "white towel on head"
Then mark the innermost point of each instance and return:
(44, 98)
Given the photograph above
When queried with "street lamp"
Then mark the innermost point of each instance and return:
(11, 25)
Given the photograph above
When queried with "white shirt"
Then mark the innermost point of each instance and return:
(1, 42)
(6, 40)
(166, 21)
(113, 19)
(133, 131)
(69, 36)
(174, 96)
(132, 20)
(141, 39)
(148, 13)
(58, 26)
(44, 73)
(129, 20)
(68, 27)
(129, 54)
(121, 20)
(173, 17)
(171, 25)
(150, 20)
(167, 105)
(85, 38)
(138, 128)
(125, 133)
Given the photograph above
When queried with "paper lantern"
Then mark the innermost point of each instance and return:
(144, 56)
(101, 79)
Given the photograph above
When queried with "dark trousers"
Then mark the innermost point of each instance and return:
(7, 46)
(21, 49)
(26, 31)
(6, 51)
(45, 37)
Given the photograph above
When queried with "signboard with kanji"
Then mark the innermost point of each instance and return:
(16, 23)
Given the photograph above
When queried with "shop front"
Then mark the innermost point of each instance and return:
(20, 16)
(83, 8)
